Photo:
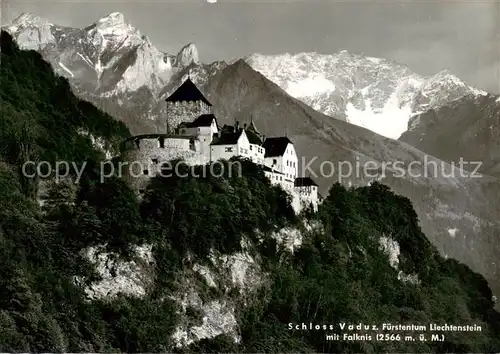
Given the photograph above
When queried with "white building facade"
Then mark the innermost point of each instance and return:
(198, 139)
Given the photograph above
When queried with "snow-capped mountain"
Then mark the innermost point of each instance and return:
(109, 63)
(110, 56)
(374, 93)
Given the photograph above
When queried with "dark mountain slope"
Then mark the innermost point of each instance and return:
(468, 128)
(55, 123)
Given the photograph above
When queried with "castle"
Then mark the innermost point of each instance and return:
(198, 139)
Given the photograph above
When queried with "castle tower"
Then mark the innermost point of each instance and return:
(185, 105)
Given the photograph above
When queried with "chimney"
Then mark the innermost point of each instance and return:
(237, 125)
(245, 126)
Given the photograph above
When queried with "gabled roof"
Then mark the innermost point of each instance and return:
(253, 138)
(205, 120)
(276, 146)
(187, 92)
(227, 138)
(252, 127)
(304, 182)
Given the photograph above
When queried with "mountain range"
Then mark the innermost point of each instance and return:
(338, 108)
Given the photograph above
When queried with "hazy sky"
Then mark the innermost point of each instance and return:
(428, 36)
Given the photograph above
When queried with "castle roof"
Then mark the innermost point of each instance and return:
(304, 182)
(252, 127)
(205, 120)
(253, 138)
(276, 146)
(228, 138)
(187, 92)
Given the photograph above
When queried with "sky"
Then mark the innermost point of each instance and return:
(427, 36)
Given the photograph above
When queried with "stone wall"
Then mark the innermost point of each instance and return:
(144, 161)
(185, 111)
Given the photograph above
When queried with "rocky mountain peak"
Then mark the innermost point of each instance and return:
(113, 19)
(114, 26)
(188, 55)
(31, 31)
(445, 77)
(28, 19)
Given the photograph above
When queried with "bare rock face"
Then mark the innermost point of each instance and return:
(32, 32)
(187, 56)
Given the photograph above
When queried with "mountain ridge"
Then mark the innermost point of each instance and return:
(379, 94)
(376, 93)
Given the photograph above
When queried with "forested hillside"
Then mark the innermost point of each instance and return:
(362, 258)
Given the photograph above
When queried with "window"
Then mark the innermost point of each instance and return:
(229, 149)
(146, 172)
(281, 178)
(275, 162)
(161, 142)
(183, 131)
(155, 160)
(250, 147)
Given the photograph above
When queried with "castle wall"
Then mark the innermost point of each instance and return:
(275, 162)
(286, 164)
(291, 162)
(308, 195)
(256, 154)
(223, 152)
(185, 111)
(146, 160)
